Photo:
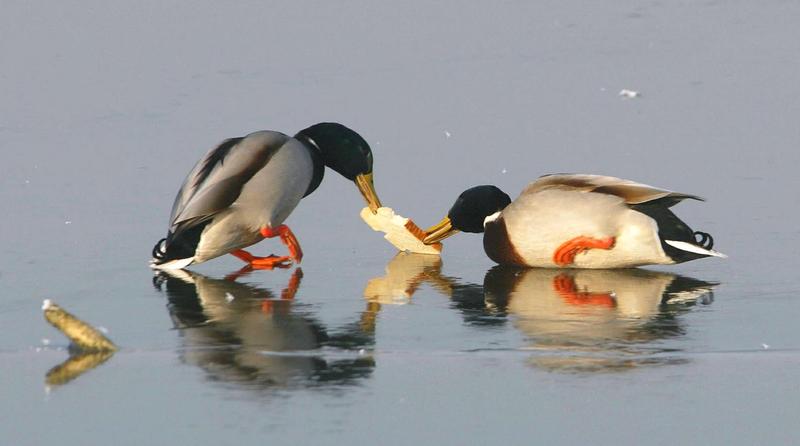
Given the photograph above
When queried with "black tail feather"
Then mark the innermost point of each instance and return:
(159, 250)
(180, 244)
(705, 239)
(670, 227)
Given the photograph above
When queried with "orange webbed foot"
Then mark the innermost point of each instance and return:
(268, 262)
(271, 261)
(565, 254)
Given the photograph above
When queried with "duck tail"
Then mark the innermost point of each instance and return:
(166, 258)
(159, 250)
(703, 244)
(680, 242)
(177, 249)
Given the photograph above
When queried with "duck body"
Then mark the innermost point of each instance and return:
(536, 224)
(289, 166)
(237, 188)
(585, 221)
(244, 189)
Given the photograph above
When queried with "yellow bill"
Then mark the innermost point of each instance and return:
(367, 188)
(439, 231)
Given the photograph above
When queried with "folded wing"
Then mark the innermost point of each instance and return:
(630, 191)
(218, 178)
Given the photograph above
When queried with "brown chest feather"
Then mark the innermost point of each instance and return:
(498, 246)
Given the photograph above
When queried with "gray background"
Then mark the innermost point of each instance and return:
(105, 107)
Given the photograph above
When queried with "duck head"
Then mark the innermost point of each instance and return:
(346, 152)
(469, 212)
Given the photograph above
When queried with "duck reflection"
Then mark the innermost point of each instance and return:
(241, 333)
(575, 320)
(595, 320)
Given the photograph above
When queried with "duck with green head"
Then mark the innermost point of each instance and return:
(577, 221)
(243, 190)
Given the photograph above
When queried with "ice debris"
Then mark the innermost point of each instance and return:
(629, 93)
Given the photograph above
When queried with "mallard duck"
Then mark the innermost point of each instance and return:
(577, 221)
(243, 190)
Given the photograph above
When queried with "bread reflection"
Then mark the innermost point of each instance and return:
(594, 320)
(244, 334)
(404, 274)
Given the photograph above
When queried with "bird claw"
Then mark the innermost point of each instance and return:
(271, 261)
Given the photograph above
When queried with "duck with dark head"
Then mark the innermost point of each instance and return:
(577, 221)
(243, 190)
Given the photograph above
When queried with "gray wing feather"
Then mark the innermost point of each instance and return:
(199, 174)
(630, 191)
(218, 178)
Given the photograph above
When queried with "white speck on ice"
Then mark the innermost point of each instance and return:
(27, 181)
(45, 341)
(447, 134)
(629, 93)
(67, 222)
(362, 352)
(504, 171)
(766, 346)
(104, 330)
(229, 297)
(47, 303)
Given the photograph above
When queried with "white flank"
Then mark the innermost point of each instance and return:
(173, 264)
(688, 247)
(491, 218)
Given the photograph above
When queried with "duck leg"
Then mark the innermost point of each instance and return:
(288, 239)
(273, 261)
(565, 254)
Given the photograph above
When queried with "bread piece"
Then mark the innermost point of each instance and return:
(400, 231)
